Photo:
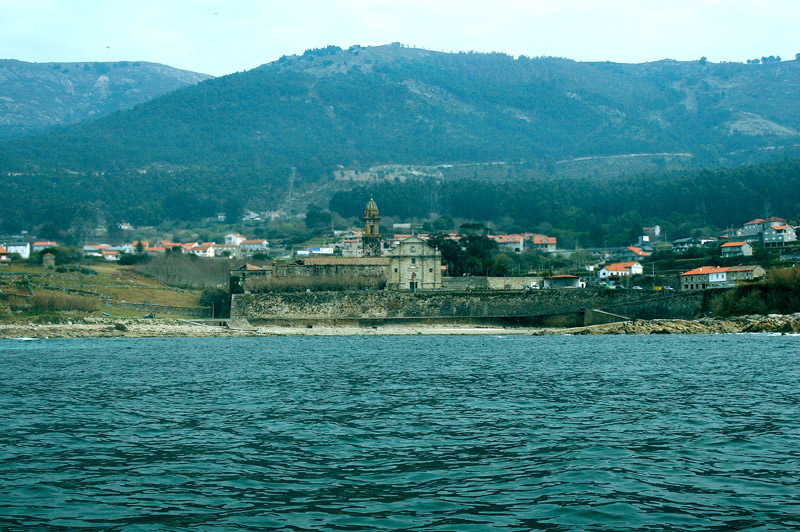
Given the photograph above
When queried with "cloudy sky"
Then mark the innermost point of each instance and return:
(219, 37)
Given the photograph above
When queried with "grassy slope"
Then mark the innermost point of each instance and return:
(112, 281)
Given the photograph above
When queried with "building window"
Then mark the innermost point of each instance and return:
(430, 270)
(413, 260)
(395, 270)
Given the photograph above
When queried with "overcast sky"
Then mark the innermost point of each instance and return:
(219, 37)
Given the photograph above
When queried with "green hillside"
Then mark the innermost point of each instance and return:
(391, 104)
(235, 141)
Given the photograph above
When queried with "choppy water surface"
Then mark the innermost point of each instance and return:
(396, 433)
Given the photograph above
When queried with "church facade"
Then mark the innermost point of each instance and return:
(414, 265)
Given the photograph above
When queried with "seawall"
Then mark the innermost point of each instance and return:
(555, 307)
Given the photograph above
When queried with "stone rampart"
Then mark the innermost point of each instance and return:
(378, 304)
(489, 283)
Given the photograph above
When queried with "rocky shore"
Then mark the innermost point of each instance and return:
(773, 323)
(144, 328)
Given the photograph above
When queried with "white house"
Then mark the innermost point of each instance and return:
(23, 248)
(248, 247)
(620, 269)
(206, 249)
(234, 238)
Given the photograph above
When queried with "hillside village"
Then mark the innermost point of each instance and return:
(365, 248)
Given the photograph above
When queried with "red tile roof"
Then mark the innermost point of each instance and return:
(638, 251)
(705, 270)
(733, 244)
(620, 266)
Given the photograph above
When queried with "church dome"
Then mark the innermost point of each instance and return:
(372, 207)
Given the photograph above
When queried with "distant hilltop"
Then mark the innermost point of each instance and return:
(37, 96)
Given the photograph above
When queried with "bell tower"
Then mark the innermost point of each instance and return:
(372, 231)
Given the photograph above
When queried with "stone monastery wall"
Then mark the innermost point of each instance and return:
(380, 304)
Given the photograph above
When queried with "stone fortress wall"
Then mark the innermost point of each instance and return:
(555, 307)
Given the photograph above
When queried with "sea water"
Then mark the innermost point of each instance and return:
(401, 433)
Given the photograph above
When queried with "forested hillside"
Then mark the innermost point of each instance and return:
(390, 104)
(598, 212)
(39, 96)
(560, 128)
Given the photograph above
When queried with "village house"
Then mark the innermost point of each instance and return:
(682, 245)
(250, 247)
(234, 238)
(620, 269)
(111, 256)
(778, 235)
(95, 250)
(539, 242)
(42, 245)
(746, 273)
(205, 250)
(633, 253)
(226, 250)
(706, 277)
(22, 248)
(736, 249)
(510, 243)
(4, 255)
(699, 278)
(753, 231)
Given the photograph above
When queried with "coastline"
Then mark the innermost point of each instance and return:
(155, 328)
